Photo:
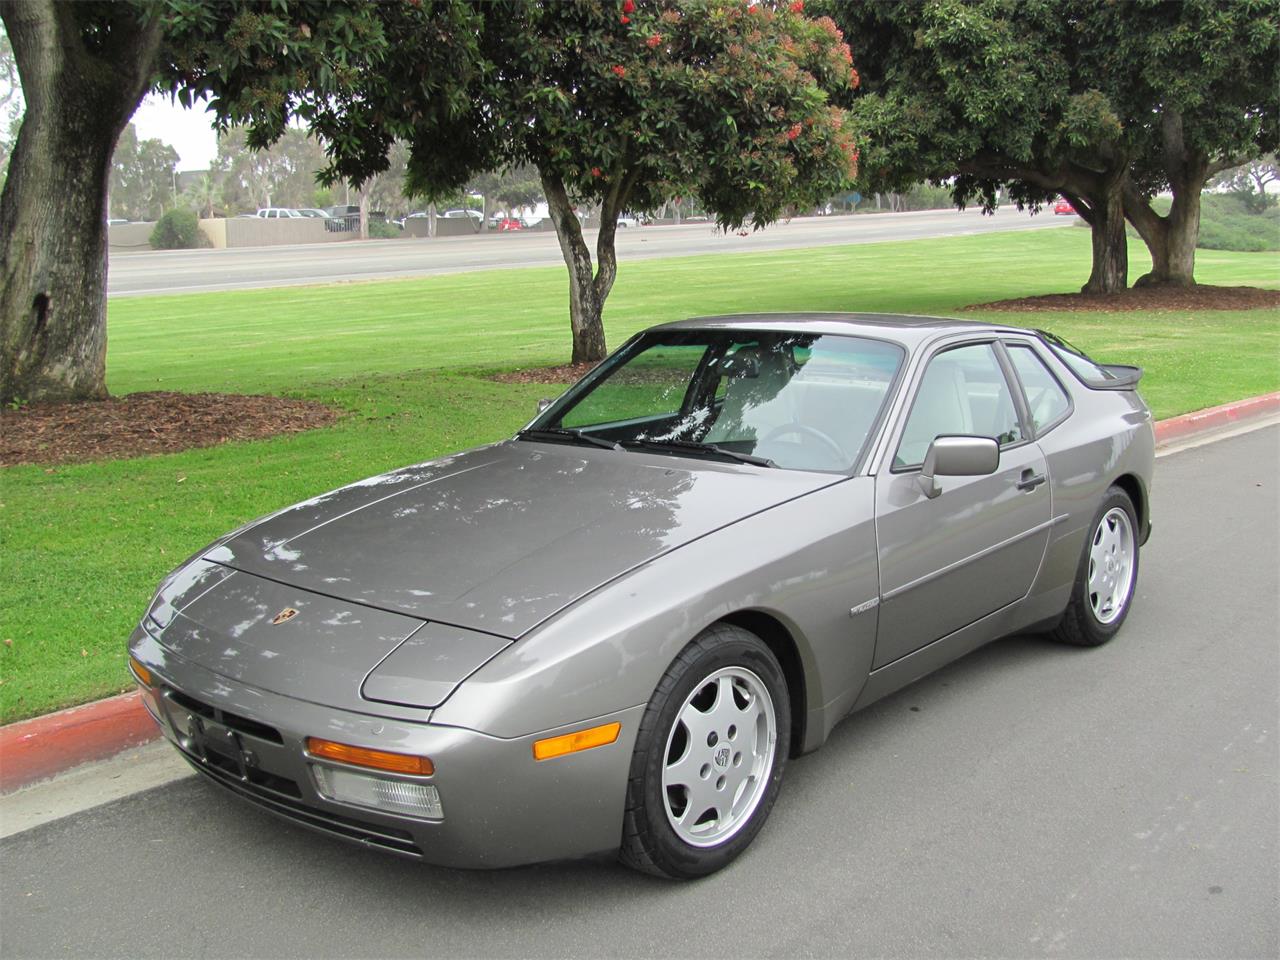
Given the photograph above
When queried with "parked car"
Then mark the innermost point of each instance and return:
(509, 224)
(278, 213)
(1063, 206)
(613, 630)
(475, 215)
(313, 213)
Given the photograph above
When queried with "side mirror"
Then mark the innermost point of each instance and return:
(957, 457)
(544, 403)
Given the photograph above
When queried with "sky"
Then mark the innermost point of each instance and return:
(190, 132)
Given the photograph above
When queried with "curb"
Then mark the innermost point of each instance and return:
(43, 747)
(1202, 421)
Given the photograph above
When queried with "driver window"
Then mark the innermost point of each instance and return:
(963, 391)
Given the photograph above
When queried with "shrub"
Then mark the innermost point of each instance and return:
(1229, 222)
(383, 230)
(177, 230)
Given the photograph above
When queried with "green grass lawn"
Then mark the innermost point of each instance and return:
(82, 547)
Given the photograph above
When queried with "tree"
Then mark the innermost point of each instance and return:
(84, 67)
(204, 195)
(612, 105)
(516, 188)
(1196, 86)
(386, 189)
(983, 94)
(282, 174)
(142, 177)
(1249, 182)
(622, 108)
(1103, 102)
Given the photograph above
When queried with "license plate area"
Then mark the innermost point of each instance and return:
(207, 735)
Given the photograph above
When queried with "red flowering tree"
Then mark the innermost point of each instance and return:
(616, 103)
(626, 104)
(639, 102)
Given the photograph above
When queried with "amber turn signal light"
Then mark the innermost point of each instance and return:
(373, 759)
(573, 742)
(141, 672)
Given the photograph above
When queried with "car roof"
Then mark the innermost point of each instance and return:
(904, 328)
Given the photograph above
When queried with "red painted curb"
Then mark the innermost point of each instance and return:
(1178, 428)
(32, 750)
(35, 749)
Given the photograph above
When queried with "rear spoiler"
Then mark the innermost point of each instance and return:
(1125, 377)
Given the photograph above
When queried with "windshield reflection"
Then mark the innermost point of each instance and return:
(802, 401)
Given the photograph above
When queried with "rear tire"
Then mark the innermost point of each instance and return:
(1107, 577)
(709, 756)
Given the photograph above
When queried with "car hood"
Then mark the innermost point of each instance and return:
(500, 538)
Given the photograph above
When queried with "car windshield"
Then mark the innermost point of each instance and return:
(798, 401)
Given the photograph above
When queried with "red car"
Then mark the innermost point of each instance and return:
(1063, 206)
(509, 223)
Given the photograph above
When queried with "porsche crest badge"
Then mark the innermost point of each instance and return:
(288, 613)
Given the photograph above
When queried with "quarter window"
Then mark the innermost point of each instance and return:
(1046, 399)
(964, 391)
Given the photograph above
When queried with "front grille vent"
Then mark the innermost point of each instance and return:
(239, 724)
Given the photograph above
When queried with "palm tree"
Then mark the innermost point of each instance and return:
(204, 194)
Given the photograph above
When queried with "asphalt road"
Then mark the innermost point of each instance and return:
(1029, 800)
(178, 271)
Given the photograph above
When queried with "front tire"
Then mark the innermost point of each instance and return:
(709, 756)
(1107, 577)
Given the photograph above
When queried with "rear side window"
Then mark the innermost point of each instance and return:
(1046, 399)
(1083, 367)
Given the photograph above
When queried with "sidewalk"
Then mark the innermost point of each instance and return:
(44, 747)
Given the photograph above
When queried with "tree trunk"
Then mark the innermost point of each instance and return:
(1171, 240)
(364, 211)
(53, 234)
(587, 291)
(1104, 212)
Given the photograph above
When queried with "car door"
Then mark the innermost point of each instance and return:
(948, 561)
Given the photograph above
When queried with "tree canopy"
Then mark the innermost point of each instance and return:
(613, 104)
(142, 177)
(1103, 102)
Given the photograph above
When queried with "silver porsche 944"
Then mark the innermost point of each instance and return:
(610, 632)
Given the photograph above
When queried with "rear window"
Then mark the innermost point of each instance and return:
(1091, 373)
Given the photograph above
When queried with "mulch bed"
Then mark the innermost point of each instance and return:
(144, 423)
(568, 373)
(1199, 297)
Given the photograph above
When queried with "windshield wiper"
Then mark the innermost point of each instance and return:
(563, 433)
(695, 447)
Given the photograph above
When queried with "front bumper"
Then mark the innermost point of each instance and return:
(500, 807)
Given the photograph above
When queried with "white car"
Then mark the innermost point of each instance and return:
(460, 214)
(278, 213)
(628, 220)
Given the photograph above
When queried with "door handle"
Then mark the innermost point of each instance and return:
(1030, 480)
